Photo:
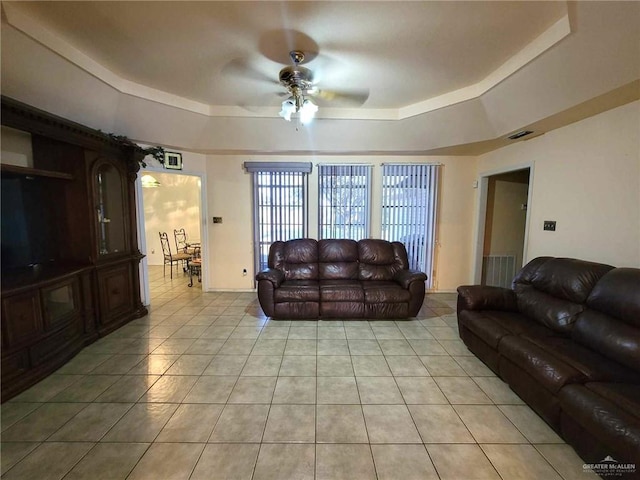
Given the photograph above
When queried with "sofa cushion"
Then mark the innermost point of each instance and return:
(555, 313)
(297, 291)
(341, 291)
(609, 412)
(380, 260)
(338, 259)
(552, 291)
(591, 363)
(625, 395)
(566, 278)
(556, 361)
(610, 323)
(549, 371)
(610, 337)
(618, 294)
(298, 259)
(492, 325)
(384, 292)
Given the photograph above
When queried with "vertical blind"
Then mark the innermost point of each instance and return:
(343, 201)
(409, 197)
(280, 205)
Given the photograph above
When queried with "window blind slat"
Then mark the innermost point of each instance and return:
(280, 202)
(343, 197)
(409, 211)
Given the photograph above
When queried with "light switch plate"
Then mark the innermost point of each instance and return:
(549, 225)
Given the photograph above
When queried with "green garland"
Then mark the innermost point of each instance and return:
(156, 152)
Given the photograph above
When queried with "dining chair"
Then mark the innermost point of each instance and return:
(171, 258)
(182, 245)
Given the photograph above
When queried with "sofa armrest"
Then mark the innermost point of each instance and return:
(271, 274)
(405, 277)
(483, 297)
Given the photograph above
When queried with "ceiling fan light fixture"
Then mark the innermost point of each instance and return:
(298, 104)
(307, 111)
(288, 109)
(298, 80)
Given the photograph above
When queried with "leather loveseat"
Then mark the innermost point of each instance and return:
(566, 338)
(310, 278)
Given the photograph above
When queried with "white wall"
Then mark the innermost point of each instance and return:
(229, 197)
(586, 177)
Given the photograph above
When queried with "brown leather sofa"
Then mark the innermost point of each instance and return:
(310, 278)
(566, 338)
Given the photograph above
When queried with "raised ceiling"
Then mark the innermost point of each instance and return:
(444, 78)
(223, 58)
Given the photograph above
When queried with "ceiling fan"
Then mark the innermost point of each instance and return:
(299, 82)
(302, 93)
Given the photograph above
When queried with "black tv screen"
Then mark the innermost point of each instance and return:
(28, 228)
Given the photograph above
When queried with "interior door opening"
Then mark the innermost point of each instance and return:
(168, 202)
(505, 221)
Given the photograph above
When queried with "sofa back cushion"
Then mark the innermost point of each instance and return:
(338, 259)
(553, 291)
(381, 260)
(618, 294)
(611, 322)
(298, 259)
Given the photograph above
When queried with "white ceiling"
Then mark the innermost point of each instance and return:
(443, 77)
(226, 54)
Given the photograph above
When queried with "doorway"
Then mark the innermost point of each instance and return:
(502, 235)
(167, 202)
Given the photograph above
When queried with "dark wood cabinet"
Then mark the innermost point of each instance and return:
(21, 319)
(70, 255)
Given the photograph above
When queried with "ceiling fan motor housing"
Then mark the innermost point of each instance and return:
(296, 76)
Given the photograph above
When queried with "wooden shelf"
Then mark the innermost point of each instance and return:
(14, 170)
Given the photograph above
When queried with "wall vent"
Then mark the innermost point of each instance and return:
(520, 134)
(498, 270)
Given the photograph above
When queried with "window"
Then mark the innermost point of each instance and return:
(409, 195)
(279, 204)
(343, 201)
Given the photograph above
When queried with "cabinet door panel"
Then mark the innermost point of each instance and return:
(21, 318)
(60, 303)
(115, 286)
(57, 343)
(14, 365)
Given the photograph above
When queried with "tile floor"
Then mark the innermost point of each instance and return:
(206, 387)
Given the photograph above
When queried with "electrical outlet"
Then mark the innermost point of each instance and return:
(153, 251)
(244, 272)
(549, 225)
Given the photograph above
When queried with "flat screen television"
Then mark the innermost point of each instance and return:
(27, 222)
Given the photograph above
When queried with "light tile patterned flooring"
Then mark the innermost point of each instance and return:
(206, 387)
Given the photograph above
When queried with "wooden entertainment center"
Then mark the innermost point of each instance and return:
(70, 256)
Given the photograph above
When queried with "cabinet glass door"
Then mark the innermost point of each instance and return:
(110, 210)
(59, 302)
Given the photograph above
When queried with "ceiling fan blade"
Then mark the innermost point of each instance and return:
(242, 69)
(347, 97)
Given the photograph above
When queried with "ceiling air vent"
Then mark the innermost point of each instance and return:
(520, 134)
